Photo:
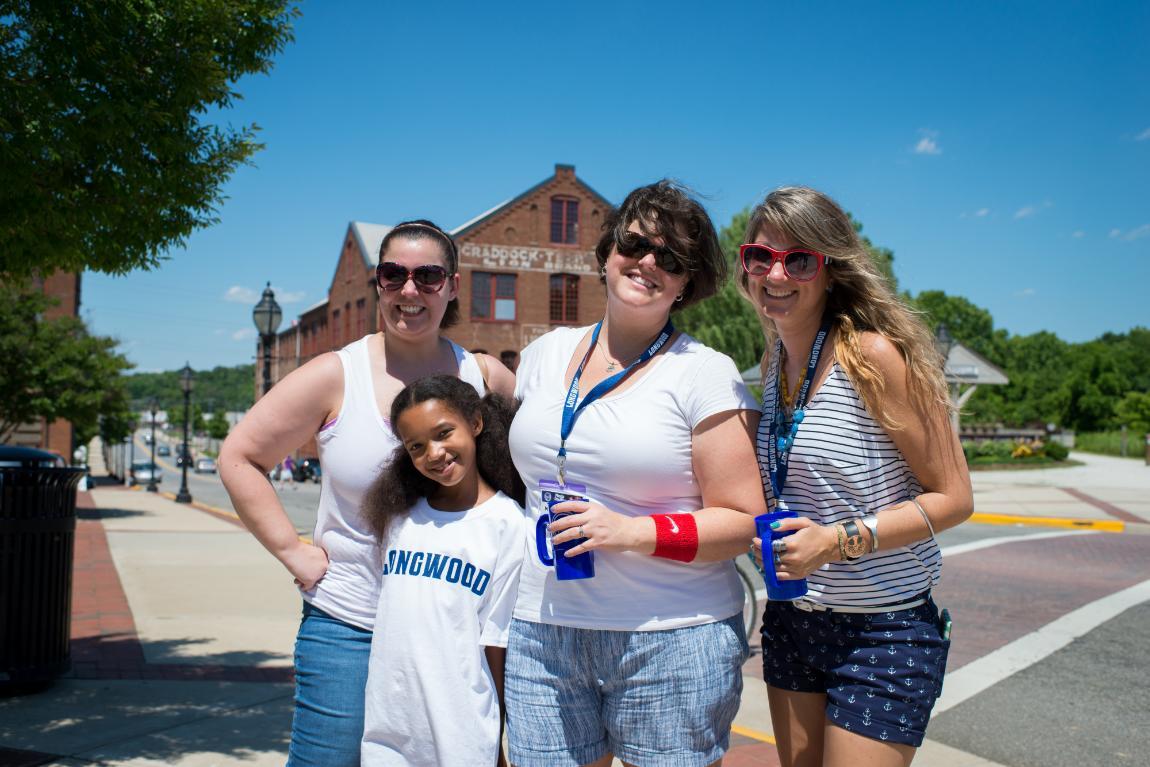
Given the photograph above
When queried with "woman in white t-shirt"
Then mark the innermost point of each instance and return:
(642, 660)
(340, 398)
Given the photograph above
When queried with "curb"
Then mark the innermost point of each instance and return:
(1104, 525)
(747, 732)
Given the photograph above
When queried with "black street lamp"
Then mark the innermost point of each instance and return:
(267, 317)
(186, 384)
(131, 450)
(153, 406)
(944, 342)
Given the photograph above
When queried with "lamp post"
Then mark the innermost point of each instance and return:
(186, 384)
(267, 317)
(944, 342)
(153, 406)
(131, 451)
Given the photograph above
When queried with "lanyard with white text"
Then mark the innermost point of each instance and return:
(571, 410)
(777, 456)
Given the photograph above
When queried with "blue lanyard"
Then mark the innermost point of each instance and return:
(778, 446)
(571, 410)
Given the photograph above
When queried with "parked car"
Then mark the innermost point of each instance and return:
(145, 471)
(163, 450)
(205, 465)
(184, 458)
(307, 469)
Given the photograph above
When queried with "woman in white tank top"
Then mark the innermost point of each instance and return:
(338, 398)
(856, 440)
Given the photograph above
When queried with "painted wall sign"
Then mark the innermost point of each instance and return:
(528, 259)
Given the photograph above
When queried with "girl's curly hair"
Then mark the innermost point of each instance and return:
(400, 485)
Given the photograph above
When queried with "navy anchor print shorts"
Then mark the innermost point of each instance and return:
(881, 672)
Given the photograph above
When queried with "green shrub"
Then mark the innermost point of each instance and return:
(1057, 451)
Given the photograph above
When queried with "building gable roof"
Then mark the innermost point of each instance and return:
(482, 218)
(964, 365)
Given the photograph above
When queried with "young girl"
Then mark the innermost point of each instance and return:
(447, 513)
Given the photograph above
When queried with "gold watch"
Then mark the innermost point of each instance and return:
(855, 545)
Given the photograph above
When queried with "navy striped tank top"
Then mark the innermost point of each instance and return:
(844, 466)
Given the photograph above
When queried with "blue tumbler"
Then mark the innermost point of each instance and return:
(776, 589)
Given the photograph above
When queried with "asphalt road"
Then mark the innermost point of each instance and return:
(1083, 705)
(300, 499)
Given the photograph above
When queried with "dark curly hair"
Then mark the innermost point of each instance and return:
(400, 485)
(666, 209)
(422, 229)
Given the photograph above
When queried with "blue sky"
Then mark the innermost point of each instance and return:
(1002, 150)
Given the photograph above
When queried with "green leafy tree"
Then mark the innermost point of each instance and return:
(1133, 412)
(969, 324)
(883, 257)
(53, 368)
(727, 321)
(228, 387)
(108, 155)
(217, 425)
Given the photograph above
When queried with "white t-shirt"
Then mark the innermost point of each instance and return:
(448, 589)
(632, 450)
(353, 450)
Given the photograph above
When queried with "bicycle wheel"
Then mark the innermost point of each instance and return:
(750, 604)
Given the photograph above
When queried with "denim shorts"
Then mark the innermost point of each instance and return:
(649, 697)
(881, 672)
(330, 677)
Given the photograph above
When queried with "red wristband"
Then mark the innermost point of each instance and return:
(676, 537)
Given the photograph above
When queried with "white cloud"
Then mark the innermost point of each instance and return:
(927, 144)
(982, 213)
(1115, 233)
(1143, 136)
(244, 334)
(1026, 211)
(241, 295)
(1137, 233)
(1078, 235)
(1025, 292)
(290, 297)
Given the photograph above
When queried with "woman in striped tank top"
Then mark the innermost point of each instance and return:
(856, 439)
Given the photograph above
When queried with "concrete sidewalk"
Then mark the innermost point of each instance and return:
(183, 629)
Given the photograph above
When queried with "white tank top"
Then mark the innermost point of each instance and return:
(353, 450)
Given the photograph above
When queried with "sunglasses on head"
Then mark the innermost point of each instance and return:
(799, 264)
(428, 278)
(635, 245)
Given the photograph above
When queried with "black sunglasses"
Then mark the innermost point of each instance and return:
(634, 245)
(428, 278)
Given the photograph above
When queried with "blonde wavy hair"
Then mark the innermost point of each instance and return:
(861, 300)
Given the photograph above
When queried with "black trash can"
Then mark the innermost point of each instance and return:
(37, 536)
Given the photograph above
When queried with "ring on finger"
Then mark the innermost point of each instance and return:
(777, 557)
(581, 532)
(779, 547)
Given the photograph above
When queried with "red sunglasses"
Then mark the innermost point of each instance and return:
(428, 278)
(799, 264)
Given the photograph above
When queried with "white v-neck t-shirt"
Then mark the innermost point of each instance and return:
(632, 450)
(448, 590)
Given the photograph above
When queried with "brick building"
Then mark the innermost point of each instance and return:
(526, 266)
(55, 436)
